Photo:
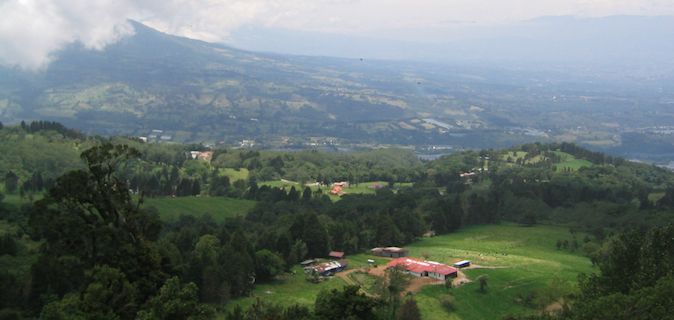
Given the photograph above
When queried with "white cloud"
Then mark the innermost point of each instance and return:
(31, 31)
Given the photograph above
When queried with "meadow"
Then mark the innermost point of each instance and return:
(525, 270)
(526, 273)
(566, 161)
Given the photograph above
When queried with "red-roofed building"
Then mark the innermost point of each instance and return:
(337, 190)
(422, 268)
(336, 254)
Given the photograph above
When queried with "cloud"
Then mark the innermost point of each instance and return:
(33, 31)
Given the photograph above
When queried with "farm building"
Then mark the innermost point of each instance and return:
(390, 252)
(201, 155)
(337, 191)
(336, 254)
(328, 268)
(422, 268)
(343, 184)
(461, 264)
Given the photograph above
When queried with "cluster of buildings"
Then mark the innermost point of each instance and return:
(156, 136)
(414, 266)
(201, 155)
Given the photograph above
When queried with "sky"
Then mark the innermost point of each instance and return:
(33, 31)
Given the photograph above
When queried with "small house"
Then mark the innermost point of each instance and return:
(337, 191)
(389, 252)
(336, 254)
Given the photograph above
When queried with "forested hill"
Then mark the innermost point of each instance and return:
(85, 220)
(536, 181)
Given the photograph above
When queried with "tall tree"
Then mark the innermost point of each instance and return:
(89, 218)
(11, 182)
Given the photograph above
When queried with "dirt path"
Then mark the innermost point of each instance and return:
(344, 275)
(554, 307)
(416, 284)
(460, 279)
(476, 266)
(379, 271)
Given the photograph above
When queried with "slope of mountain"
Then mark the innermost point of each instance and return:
(195, 91)
(157, 80)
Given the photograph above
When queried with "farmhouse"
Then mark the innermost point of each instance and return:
(328, 268)
(337, 191)
(390, 252)
(343, 184)
(422, 268)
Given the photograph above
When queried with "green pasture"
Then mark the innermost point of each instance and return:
(525, 273)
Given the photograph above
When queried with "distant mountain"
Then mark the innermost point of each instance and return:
(207, 92)
(597, 44)
(170, 88)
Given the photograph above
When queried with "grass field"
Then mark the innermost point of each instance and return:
(532, 266)
(522, 261)
(571, 162)
(16, 200)
(235, 174)
(288, 290)
(218, 207)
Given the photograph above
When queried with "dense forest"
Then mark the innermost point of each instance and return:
(78, 242)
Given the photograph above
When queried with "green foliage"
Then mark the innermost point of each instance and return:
(219, 208)
(348, 303)
(483, 280)
(8, 245)
(408, 310)
(650, 302)
(108, 295)
(268, 265)
(175, 301)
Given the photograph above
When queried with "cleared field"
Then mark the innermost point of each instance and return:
(235, 174)
(218, 207)
(567, 161)
(571, 162)
(293, 288)
(526, 273)
(530, 272)
(16, 200)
